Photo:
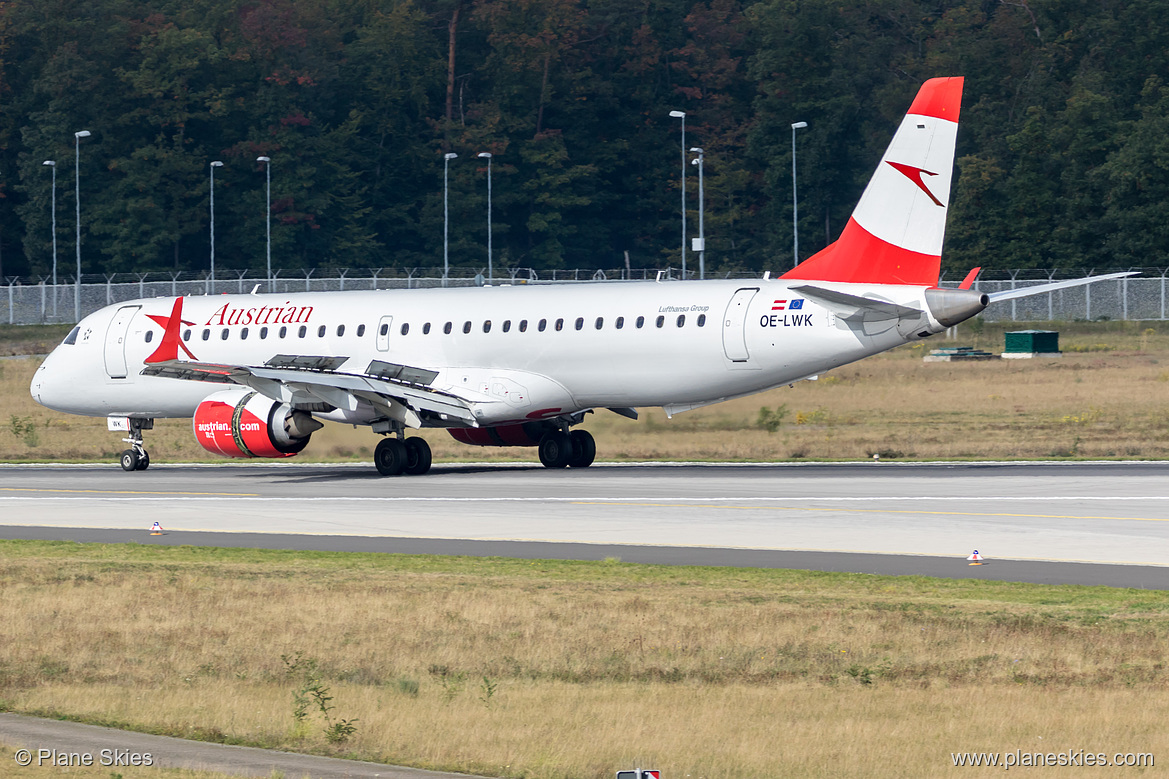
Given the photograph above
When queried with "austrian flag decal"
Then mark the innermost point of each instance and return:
(788, 305)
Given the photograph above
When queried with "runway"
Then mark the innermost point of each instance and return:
(1089, 523)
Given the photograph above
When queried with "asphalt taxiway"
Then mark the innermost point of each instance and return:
(1076, 523)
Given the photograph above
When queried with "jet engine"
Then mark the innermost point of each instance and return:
(243, 423)
(523, 434)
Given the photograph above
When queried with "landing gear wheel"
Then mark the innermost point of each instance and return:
(555, 450)
(143, 461)
(390, 456)
(129, 460)
(417, 456)
(584, 449)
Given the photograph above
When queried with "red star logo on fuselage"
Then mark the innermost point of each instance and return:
(914, 175)
(171, 342)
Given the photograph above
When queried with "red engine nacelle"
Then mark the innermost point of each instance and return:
(523, 434)
(243, 423)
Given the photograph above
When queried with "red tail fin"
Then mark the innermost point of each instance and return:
(895, 233)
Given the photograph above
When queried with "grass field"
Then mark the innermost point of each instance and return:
(1105, 398)
(563, 670)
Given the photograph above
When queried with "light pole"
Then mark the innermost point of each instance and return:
(77, 136)
(213, 166)
(795, 206)
(268, 214)
(682, 115)
(486, 155)
(53, 164)
(700, 241)
(446, 164)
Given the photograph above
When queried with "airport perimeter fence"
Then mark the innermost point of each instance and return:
(38, 301)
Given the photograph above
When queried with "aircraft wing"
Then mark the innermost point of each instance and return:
(307, 382)
(1039, 289)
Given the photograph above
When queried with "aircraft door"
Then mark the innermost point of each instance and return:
(383, 333)
(735, 325)
(115, 348)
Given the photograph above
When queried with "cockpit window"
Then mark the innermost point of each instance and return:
(72, 337)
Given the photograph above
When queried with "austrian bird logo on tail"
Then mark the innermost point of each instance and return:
(914, 175)
(171, 342)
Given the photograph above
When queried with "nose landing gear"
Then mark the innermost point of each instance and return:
(136, 458)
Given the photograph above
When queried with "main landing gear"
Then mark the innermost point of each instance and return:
(560, 448)
(136, 458)
(395, 456)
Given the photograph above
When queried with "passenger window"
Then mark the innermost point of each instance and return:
(620, 323)
(385, 329)
(405, 328)
(559, 325)
(149, 336)
(640, 322)
(360, 330)
(661, 321)
(321, 331)
(263, 333)
(447, 328)
(543, 325)
(283, 331)
(579, 322)
(466, 327)
(187, 334)
(223, 335)
(71, 339)
(600, 322)
(243, 334)
(340, 330)
(206, 334)
(487, 325)
(701, 320)
(681, 320)
(302, 332)
(507, 325)
(523, 325)
(426, 329)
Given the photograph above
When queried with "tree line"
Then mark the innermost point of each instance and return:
(1063, 156)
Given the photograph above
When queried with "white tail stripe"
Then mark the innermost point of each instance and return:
(894, 207)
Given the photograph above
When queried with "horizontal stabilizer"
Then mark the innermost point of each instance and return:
(852, 307)
(1039, 289)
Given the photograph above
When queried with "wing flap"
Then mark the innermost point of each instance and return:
(301, 385)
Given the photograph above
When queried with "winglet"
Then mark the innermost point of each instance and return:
(895, 233)
(968, 282)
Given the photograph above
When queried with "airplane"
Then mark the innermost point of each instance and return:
(521, 365)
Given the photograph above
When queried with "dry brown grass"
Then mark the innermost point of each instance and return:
(1104, 399)
(545, 669)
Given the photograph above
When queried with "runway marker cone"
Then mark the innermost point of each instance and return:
(156, 530)
(976, 559)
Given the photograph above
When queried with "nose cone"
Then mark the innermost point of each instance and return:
(41, 387)
(56, 383)
(34, 388)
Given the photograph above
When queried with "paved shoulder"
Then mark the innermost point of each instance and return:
(107, 745)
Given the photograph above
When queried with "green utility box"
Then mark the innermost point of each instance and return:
(1027, 343)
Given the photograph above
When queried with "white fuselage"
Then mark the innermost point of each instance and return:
(512, 352)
